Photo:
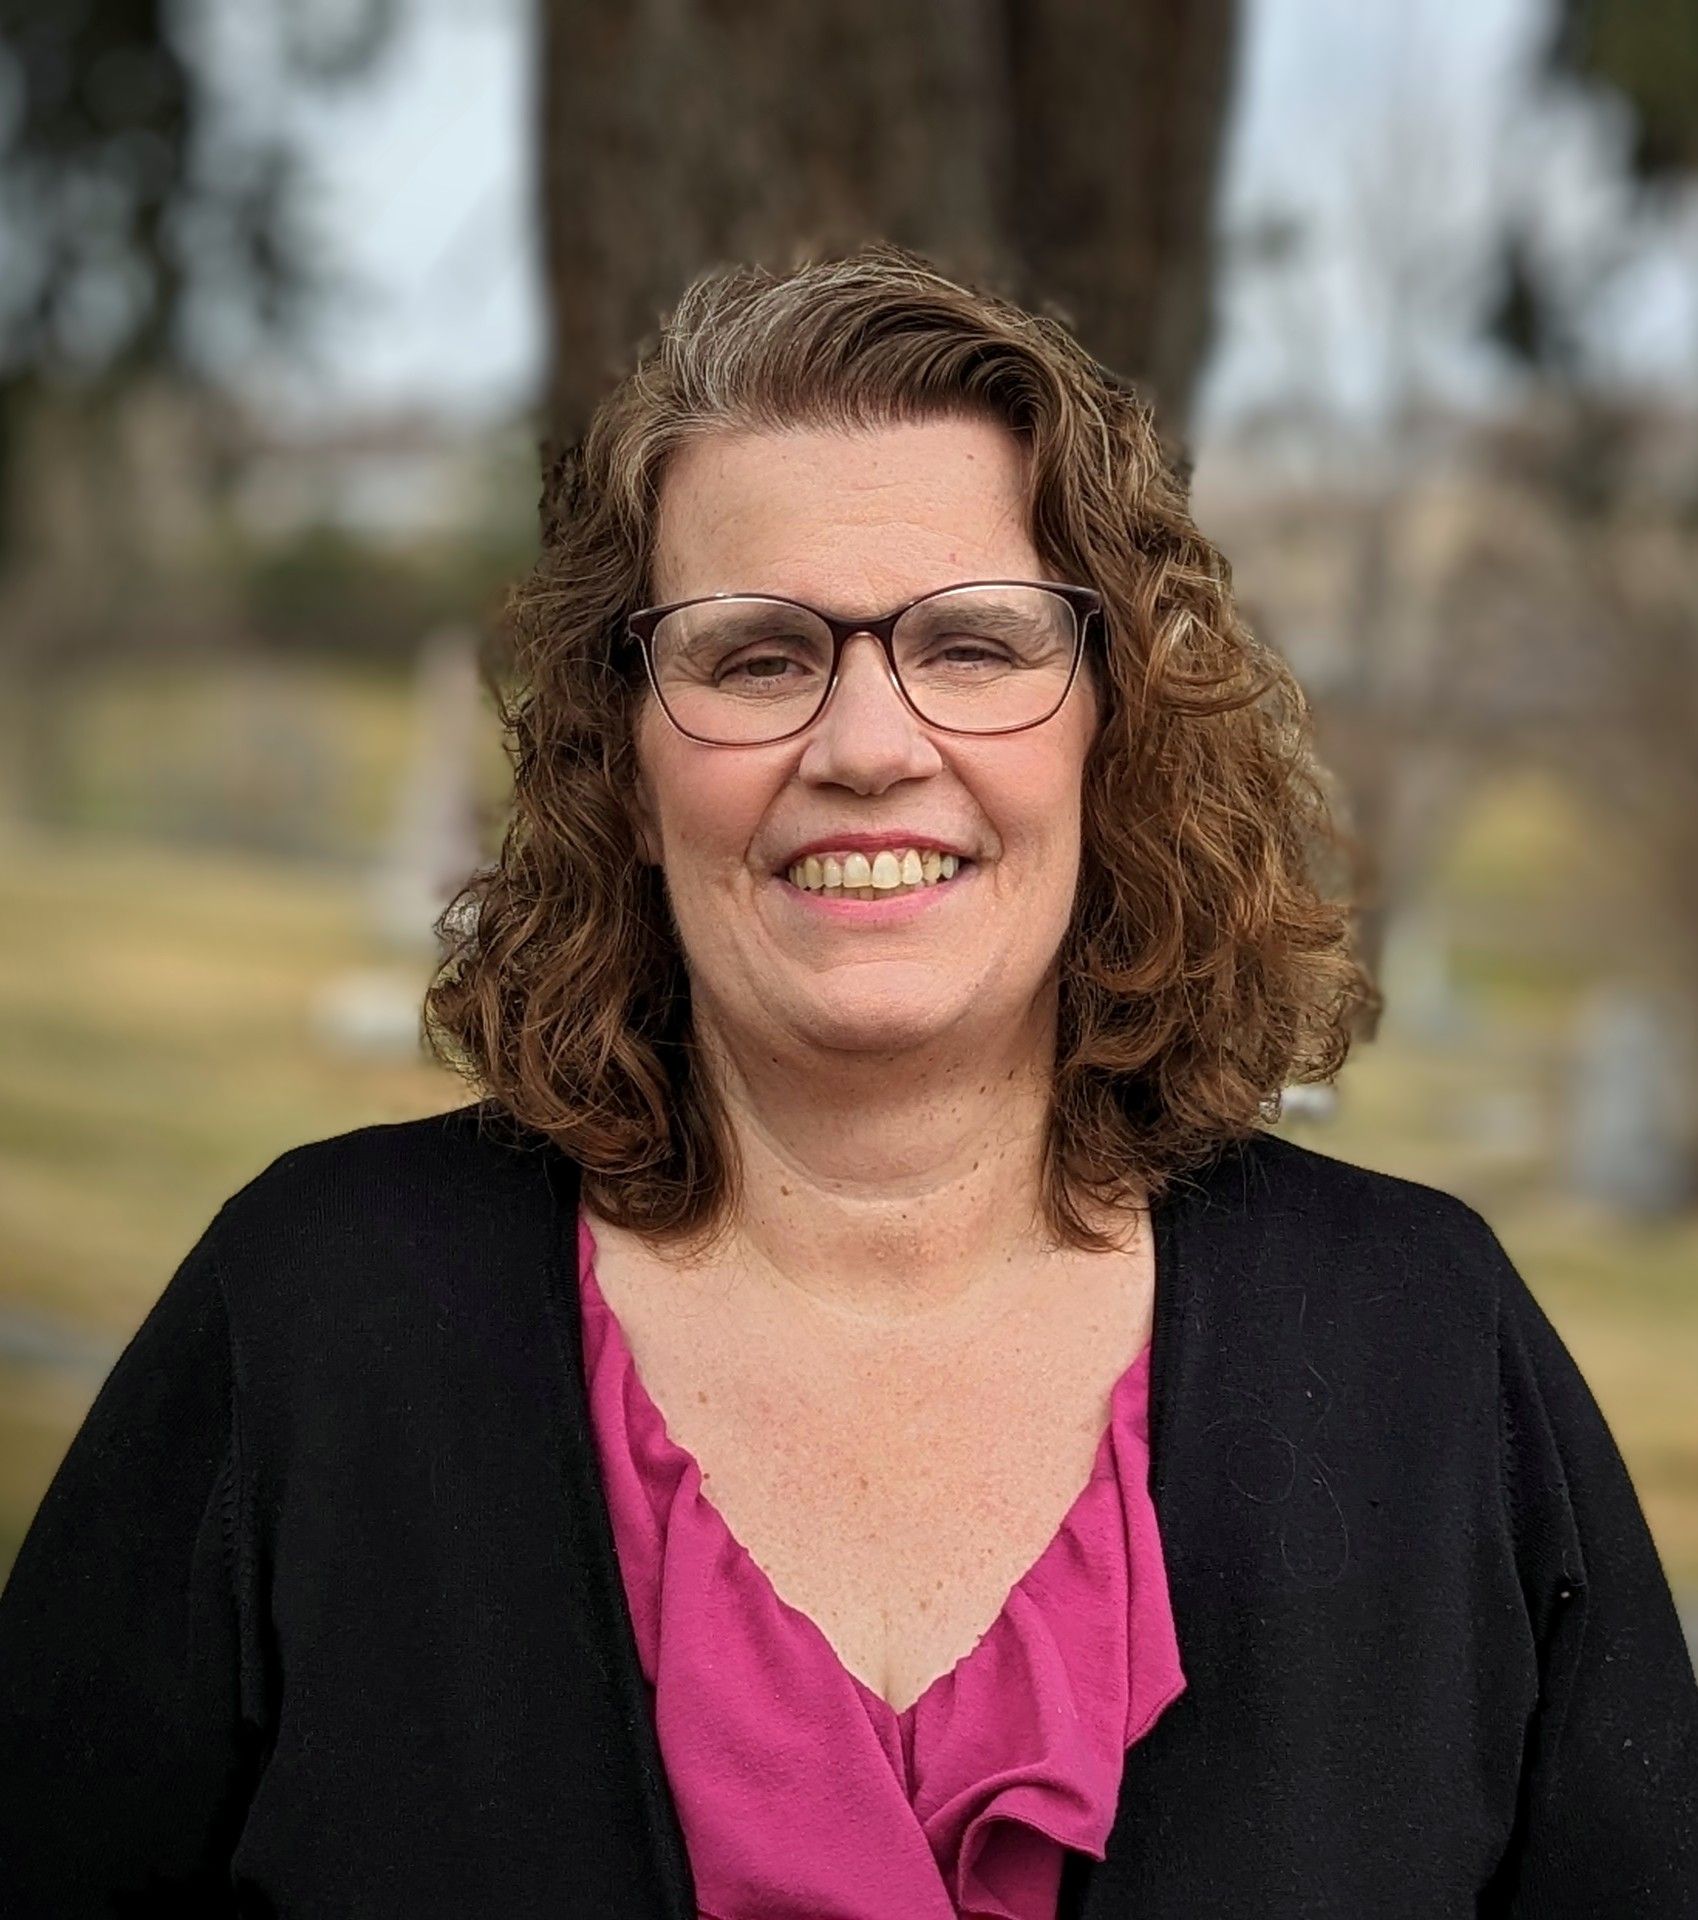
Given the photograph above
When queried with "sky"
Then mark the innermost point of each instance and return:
(1387, 131)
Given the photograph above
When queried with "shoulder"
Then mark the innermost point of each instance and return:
(1343, 1325)
(343, 1218)
(1279, 1185)
(388, 1172)
(1269, 1212)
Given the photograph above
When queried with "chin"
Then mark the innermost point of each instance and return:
(882, 1023)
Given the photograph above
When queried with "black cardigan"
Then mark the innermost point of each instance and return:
(321, 1615)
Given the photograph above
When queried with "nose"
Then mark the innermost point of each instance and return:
(868, 737)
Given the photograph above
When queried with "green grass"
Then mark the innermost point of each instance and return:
(158, 1008)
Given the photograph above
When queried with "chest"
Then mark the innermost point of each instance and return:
(892, 1488)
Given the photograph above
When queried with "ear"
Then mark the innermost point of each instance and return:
(640, 812)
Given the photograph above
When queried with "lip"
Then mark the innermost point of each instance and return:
(877, 913)
(891, 838)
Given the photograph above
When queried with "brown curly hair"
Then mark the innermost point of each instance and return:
(1208, 963)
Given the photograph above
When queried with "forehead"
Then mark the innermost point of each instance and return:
(848, 518)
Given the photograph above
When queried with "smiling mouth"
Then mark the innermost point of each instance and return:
(888, 875)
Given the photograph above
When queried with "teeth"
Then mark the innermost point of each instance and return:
(855, 877)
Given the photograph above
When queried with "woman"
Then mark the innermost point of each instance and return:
(858, 1420)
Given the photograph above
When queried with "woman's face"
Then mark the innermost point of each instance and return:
(860, 522)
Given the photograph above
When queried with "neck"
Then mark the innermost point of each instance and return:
(888, 1186)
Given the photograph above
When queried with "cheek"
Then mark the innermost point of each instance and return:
(705, 806)
(1037, 803)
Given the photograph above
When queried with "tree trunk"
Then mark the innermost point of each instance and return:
(1065, 150)
(1117, 122)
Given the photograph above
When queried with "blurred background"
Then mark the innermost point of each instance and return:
(294, 297)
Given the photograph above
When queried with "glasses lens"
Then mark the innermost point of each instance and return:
(978, 659)
(981, 659)
(741, 670)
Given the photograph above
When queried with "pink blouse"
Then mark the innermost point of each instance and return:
(802, 1794)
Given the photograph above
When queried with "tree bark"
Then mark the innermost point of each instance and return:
(1065, 151)
(1117, 123)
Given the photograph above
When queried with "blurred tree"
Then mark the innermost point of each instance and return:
(1646, 52)
(133, 197)
(1068, 149)
(1643, 55)
(1632, 750)
(145, 213)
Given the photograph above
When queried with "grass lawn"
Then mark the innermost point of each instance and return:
(160, 1049)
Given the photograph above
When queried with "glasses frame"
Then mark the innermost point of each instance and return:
(1084, 602)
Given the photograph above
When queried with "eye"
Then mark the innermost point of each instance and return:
(754, 667)
(976, 649)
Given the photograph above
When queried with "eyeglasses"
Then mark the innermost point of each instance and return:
(745, 669)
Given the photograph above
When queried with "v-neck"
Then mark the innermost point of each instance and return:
(1131, 1379)
(1085, 1885)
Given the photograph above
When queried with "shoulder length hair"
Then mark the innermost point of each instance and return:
(1208, 961)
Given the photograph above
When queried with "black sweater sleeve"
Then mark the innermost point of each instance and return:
(1608, 1821)
(123, 1758)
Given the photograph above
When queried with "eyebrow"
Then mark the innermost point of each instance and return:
(984, 608)
(988, 612)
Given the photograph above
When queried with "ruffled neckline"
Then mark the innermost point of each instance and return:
(793, 1778)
